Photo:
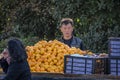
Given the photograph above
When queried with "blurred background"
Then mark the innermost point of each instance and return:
(33, 20)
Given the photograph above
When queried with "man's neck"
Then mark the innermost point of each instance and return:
(67, 38)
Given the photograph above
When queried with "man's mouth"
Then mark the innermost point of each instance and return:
(66, 33)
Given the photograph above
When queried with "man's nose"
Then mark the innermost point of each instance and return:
(67, 30)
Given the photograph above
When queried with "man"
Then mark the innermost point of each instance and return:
(66, 27)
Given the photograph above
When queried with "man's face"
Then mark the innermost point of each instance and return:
(67, 30)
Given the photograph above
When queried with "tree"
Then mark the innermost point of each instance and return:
(95, 20)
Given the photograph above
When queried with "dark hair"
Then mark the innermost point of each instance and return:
(65, 22)
(16, 50)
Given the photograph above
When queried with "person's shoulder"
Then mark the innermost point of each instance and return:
(77, 38)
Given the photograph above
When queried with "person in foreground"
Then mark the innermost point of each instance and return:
(66, 27)
(14, 62)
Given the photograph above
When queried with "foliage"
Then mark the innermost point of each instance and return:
(2, 45)
(95, 20)
(30, 40)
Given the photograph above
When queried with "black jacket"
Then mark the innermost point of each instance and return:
(75, 42)
(16, 70)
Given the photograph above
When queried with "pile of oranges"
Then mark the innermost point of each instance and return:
(49, 56)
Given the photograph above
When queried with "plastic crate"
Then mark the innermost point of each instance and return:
(114, 66)
(85, 65)
(114, 47)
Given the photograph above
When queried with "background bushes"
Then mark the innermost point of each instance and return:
(94, 20)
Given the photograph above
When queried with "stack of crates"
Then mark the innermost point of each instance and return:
(114, 55)
(85, 65)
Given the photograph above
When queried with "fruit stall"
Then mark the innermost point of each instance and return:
(53, 60)
(49, 56)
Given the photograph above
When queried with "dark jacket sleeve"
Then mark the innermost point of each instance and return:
(18, 71)
(82, 47)
(79, 43)
(13, 72)
(4, 65)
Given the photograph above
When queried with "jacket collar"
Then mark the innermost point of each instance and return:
(73, 40)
